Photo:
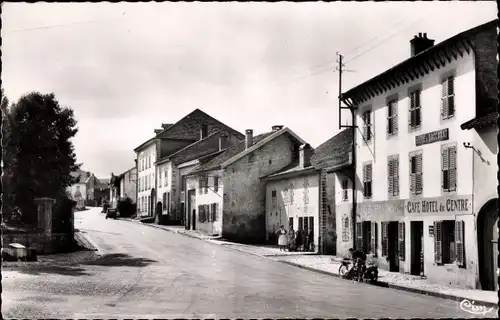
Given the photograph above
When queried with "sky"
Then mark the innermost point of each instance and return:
(125, 68)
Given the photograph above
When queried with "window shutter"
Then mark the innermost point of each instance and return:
(451, 96)
(374, 238)
(459, 243)
(411, 118)
(369, 178)
(359, 235)
(216, 184)
(364, 179)
(438, 240)
(418, 178)
(389, 119)
(395, 168)
(444, 98)
(401, 236)
(412, 174)
(390, 174)
(394, 119)
(445, 169)
(385, 239)
(453, 168)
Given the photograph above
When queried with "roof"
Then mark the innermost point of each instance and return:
(84, 175)
(479, 122)
(416, 66)
(292, 169)
(257, 145)
(188, 128)
(335, 151)
(196, 150)
(228, 153)
(102, 183)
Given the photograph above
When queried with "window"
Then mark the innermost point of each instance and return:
(164, 201)
(301, 223)
(311, 223)
(274, 199)
(367, 180)
(367, 125)
(345, 229)
(449, 168)
(449, 242)
(306, 190)
(414, 118)
(214, 212)
(416, 183)
(344, 189)
(392, 117)
(216, 184)
(165, 177)
(183, 184)
(291, 193)
(159, 177)
(393, 176)
(448, 98)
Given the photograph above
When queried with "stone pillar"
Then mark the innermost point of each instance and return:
(45, 220)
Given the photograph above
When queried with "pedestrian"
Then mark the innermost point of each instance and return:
(281, 238)
(298, 239)
(291, 239)
(306, 239)
(310, 240)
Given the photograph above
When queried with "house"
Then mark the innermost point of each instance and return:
(128, 184)
(101, 190)
(333, 159)
(293, 198)
(114, 190)
(78, 191)
(170, 139)
(233, 179)
(171, 171)
(417, 198)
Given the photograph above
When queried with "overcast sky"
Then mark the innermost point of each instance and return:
(126, 68)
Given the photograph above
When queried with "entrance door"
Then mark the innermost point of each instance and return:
(392, 246)
(487, 234)
(417, 249)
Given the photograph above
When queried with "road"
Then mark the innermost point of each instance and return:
(148, 272)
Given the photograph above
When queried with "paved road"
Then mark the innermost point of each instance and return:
(148, 272)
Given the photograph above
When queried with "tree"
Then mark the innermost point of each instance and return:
(39, 150)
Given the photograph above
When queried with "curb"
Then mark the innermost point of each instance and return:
(378, 284)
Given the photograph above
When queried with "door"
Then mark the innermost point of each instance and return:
(392, 246)
(191, 208)
(417, 253)
(487, 236)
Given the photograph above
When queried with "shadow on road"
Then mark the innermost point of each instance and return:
(120, 260)
(60, 270)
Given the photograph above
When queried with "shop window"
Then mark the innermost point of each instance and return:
(449, 242)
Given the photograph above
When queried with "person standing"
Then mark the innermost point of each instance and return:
(310, 240)
(291, 239)
(282, 241)
(298, 239)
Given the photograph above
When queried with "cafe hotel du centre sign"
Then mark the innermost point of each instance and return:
(440, 206)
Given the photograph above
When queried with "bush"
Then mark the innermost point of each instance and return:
(126, 208)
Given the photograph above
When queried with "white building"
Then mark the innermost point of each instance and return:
(415, 206)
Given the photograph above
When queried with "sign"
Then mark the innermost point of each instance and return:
(432, 137)
(394, 206)
(431, 231)
(443, 205)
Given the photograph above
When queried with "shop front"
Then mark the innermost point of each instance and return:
(440, 240)
(379, 233)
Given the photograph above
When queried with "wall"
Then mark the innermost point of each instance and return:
(343, 210)
(290, 204)
(244, 192)
(170, 146)
(128, 185)
(331, 236)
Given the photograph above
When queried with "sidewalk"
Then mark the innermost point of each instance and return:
(330, 265)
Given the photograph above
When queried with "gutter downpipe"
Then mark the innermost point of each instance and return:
(353, 164)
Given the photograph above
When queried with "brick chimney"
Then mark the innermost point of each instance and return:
(158, 131)
(305, 153)
(223, 141)
(248, 138)
(203, 131)
(420, 43)
(277, 127)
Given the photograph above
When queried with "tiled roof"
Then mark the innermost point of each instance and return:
(488, 119)
(333, 152)
(230, 152)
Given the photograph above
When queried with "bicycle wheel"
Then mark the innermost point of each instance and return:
(342, 270)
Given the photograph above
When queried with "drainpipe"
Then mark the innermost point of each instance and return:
(353, 164)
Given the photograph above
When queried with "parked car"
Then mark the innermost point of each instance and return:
(112, 213)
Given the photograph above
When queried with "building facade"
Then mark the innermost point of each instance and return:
(293, 200)
(128, 184)
(414, 176)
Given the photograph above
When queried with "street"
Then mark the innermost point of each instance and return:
(147, 272)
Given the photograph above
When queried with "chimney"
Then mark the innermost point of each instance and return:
(420, 43)
(277, 127)
(223, 141)
(165, 125)
(158, 131)
(305, 153)
(248, 138)
(203, 131)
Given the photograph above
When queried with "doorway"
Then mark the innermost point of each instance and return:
(417, 248)
(152, 202)
(392, 246)
(487, 236)
(191, 215)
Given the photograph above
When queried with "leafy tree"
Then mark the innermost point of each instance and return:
(39, 150)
